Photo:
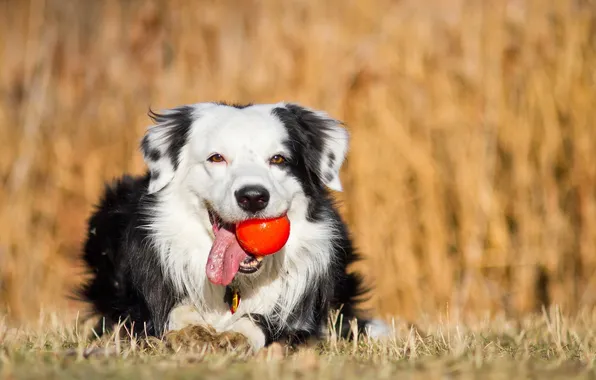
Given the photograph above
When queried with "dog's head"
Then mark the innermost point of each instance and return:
(244, 162)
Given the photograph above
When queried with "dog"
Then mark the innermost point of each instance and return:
(150, 241)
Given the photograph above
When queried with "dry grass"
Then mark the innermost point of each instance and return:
(470, 182)
(541, 346)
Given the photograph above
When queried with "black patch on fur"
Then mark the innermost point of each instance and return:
(331, 157)
(307, 133)
(177, 124)
(127, 283)
(154, 154)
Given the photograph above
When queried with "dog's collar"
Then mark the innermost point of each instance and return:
(232, 297)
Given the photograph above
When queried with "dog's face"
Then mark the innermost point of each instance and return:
(244, 162)
(239, 164)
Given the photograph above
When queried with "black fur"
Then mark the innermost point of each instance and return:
(331, 157)
(307, 133)
(154, 154)
(179, 122)
(129, 285)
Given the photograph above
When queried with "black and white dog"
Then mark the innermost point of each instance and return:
(212, 165)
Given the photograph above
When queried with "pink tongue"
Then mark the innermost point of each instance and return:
(224, 258)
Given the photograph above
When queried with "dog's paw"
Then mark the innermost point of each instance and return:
(231, 340)
(201, 336)
(189, 337)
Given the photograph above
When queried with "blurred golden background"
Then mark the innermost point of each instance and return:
(471, 181)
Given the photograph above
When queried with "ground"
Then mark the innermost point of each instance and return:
(547, 345)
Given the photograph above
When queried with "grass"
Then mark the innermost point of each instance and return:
(547, 345)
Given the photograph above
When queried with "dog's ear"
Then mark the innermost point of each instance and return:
(334, 152)
(327, 139)
(163, 143)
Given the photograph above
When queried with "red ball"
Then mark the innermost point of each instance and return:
(262, 237)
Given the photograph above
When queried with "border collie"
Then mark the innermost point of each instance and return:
(212, 165)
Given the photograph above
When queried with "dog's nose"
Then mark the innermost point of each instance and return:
(252, 198)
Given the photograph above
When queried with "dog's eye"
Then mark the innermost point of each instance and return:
(216, 158)
(278, 159)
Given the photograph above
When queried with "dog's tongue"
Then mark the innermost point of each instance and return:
(224, 258)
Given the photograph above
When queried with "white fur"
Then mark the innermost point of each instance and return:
(250, 330)
(182, 232)
(184, 314)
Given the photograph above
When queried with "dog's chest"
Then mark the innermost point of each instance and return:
(206, 303)
(274, 292)
(214, 307)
